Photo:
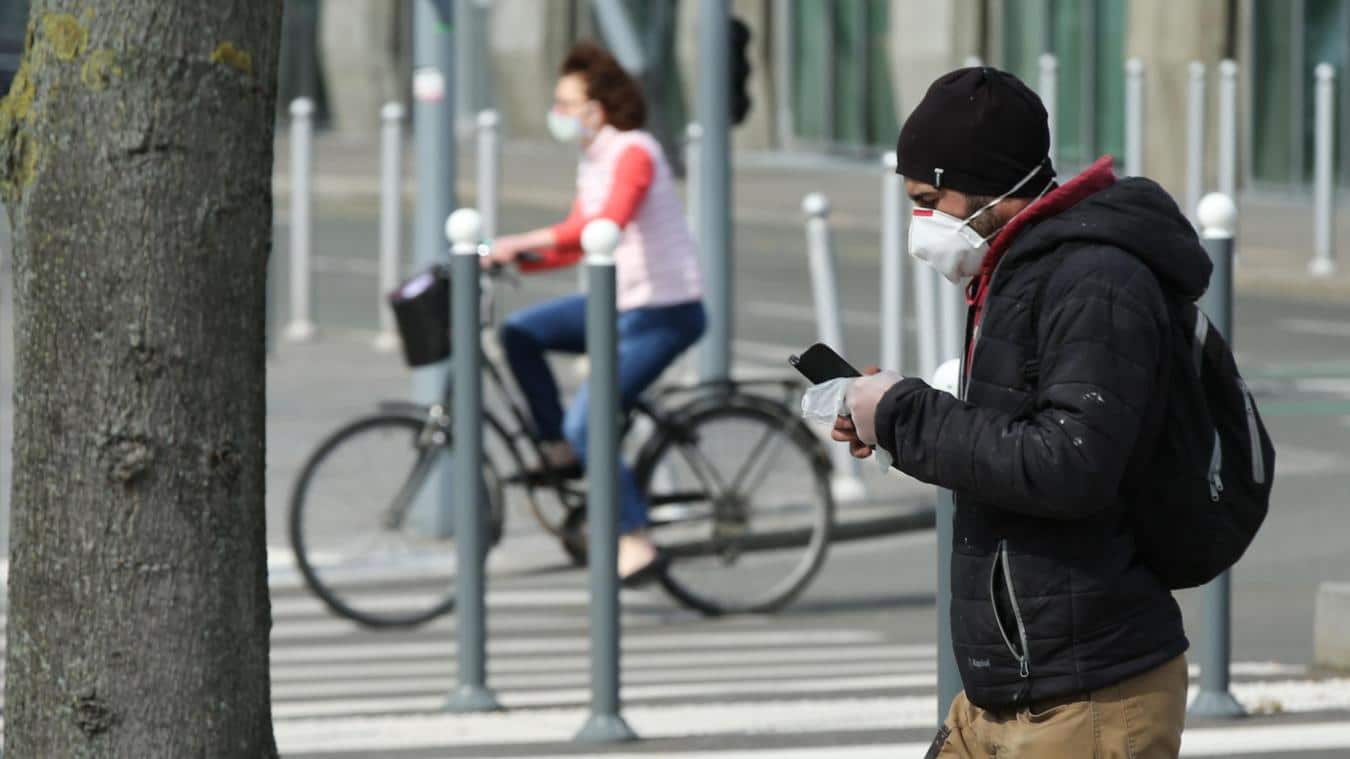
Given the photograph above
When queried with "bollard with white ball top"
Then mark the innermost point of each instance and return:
(847, 484)
(605, 724)
(489, 170)
(391, 218)
(1323, 263)
(946, 378)
(301, 326)
(464, 228)
(1218, 221)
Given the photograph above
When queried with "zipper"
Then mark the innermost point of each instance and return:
(1253, 435)
(973, 330)
(1023, 658)
(1215, 469)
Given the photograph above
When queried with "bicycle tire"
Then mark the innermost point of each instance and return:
(812, 474)
(375, 584)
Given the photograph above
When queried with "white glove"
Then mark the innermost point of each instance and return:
(863, 396)
(826, 402)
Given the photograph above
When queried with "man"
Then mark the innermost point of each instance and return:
(1068, 646)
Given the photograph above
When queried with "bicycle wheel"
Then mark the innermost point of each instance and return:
(364, 518)
(740, 499)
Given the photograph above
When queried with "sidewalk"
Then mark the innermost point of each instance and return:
(1275, 236)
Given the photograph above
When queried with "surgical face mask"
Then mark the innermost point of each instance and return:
(567, 129)
(950, 245)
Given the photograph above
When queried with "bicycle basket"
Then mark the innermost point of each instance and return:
(422, 311)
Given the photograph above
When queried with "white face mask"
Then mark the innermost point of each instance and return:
(949, 244)
(567, 129)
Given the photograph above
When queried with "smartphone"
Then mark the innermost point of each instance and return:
(820, 363)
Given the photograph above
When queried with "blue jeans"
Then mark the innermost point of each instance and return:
(649, 340)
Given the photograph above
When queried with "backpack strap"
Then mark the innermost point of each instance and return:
(1201, 334)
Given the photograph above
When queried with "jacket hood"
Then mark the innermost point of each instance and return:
(1135, 215)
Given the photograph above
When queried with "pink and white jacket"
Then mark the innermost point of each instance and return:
(623, 176)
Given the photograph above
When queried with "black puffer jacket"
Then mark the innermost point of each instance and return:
(1061, 411)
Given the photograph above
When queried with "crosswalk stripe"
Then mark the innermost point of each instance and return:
(707, 679)
(779, 659)
(341, 688)
(332, 627)
(520, 675)
(394, 650)
(521, 699)
(1196, 742)
(301, 605)
(299, 736)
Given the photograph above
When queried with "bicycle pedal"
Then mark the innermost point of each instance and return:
(547, 477)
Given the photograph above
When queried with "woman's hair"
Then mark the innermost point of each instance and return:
(608, 84)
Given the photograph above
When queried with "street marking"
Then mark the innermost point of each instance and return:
(560, 725)
(1322, 736)
(1326, 385)
(879, 656)
(1299, 371)
(1319, 327)
(1306, 408)
(843, 716)
(712, 680)
(580, 696)
(1296, 460)
(385, 602)
(384, 650)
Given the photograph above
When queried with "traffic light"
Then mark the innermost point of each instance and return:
(740, 70)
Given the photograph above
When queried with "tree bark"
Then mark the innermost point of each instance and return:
(135, 163)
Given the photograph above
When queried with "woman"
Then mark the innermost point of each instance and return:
(622, 176)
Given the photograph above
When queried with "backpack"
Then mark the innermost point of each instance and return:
(1213, 464)
(1200, 497)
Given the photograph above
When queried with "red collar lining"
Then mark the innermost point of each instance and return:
(1094, 179)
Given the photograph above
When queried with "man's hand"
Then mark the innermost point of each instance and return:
(864, 394)
(845, 432)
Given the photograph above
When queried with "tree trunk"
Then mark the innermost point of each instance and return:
(135, 162)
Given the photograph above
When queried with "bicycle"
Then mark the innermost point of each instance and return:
(739, 541)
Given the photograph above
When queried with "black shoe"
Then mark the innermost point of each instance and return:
(654, 569)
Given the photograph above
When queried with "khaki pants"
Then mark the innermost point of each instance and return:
(1140, 718)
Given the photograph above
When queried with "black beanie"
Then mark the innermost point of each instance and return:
(979, 131)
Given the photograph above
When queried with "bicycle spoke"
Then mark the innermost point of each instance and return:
(760, 454)
(398, 508)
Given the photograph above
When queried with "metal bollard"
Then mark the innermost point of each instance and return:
(952, 319)
(1048, 89)
(1218, 220)
(605, 724)
(489, 170)
(1324, 188)
(847, 484)
(1134, 117)
(949, 677)
(391, 219)
(301, 326)
(1228, 136)
(1195, 140)
(893, 209)
(926, 282)
(715, 189)
(946, 379)
(693, 134)
(472, 695)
